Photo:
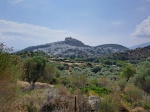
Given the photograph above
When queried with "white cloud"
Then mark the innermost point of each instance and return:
(143, 29)
(21, 35)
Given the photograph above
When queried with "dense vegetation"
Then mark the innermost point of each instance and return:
(9, 73)
(104, 84)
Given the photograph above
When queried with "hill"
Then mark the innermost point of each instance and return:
(71, 47)
(136, 55)
(141, 45)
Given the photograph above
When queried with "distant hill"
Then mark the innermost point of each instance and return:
(140, 45)
(134, 56)
(71, 47)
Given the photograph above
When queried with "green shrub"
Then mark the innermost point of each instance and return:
(49, 74)
(97, 69)
(9, 75)
(108, 104)
(122, 84)
(132, 93)
(103, 81)
(78, 81)
(60, 67)
(146, 103)
(142, 78)
(93, 81)
(98, 90)
(64, 80)
(30, 107)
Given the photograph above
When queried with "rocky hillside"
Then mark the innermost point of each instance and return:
(71, 47)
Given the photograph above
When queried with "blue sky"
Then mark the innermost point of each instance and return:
(26, 23)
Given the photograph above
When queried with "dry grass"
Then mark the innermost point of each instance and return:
(31, 101)
(38, 85)
(138, 109)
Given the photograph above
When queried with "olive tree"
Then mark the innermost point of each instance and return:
(128, 71)
(33, 69)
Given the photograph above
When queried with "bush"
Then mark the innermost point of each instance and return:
(108, 104)
(97, 90)
(30, 101)
(65, 81)
(62, 100)
(142, 78)
(49, 74)
(78, 81)
(146, 103)
(97, 69)
(93, 81)
(103, 81)
(9, 75)
(132, 93)
(122, 84)
(61, 67)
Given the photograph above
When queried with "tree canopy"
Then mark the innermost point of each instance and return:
(128, 71)
(33, 69)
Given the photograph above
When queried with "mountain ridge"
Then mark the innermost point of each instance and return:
(73, 47)
(140, 45)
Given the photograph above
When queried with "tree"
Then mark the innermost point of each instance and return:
(50, 73)
(128, 71)
(33, 69)
(4, 48)
(142, 78)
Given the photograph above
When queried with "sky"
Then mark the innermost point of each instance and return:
(25, 23)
